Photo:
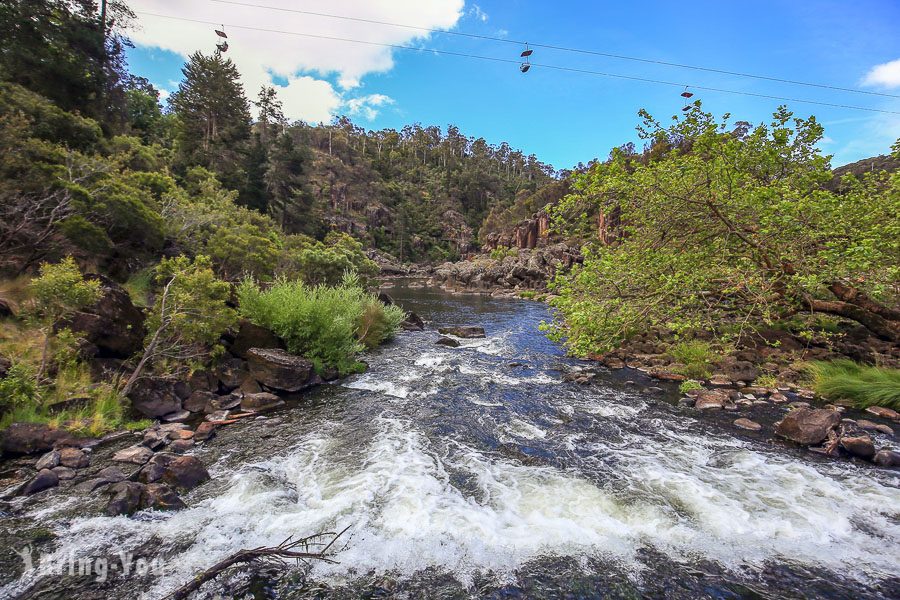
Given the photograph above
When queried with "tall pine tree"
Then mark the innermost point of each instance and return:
(213, 118)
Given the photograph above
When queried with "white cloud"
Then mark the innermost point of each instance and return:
(885, 75)
(479, 14)
(367, 106)
(305, 62)
(163, 93)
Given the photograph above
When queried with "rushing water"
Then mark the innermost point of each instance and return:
(477, 472)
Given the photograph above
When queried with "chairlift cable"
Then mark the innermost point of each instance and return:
(539, 65)
(564, 49)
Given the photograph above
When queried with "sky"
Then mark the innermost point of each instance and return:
(563, 117)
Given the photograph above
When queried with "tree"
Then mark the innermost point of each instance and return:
(188, 318)
(289, 204)
(718, 228)
(59, 291)
(213, 117)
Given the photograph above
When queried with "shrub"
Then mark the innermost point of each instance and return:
(17, 389)
(325, 262)
(696, 356)
(766, 381)
(689, 385)
(864, 386)
(501, 253)
(328, 325)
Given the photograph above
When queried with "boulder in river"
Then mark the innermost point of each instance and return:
(260, 401)
(447, 341)
(205, 430)
(27, 438)
(126, 498)
(884, 413)
(887, 458)
(859, 445)
(280, 370)
(135, 454)
(155, 396)
(463, 331)
(808, 426)
(73, 458)
(707, 399)
(45, 479)
(48, 461)
(184, 472)
(747, 424)
(159, 496)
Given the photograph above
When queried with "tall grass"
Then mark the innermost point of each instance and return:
(697, 357)
(862, 385)
(328, 325)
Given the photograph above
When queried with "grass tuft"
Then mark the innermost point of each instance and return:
(862, 385)
(697, 357)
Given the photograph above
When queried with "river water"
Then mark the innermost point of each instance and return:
(476, 472)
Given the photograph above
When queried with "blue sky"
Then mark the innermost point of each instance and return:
(563, 118)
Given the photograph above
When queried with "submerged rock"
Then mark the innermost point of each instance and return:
(463, 331)
(807, 426)
(707, 399)
(126, 498)
(280, 370)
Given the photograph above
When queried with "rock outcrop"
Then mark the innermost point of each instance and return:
(279, 370)
(528, 269)
(113, 327)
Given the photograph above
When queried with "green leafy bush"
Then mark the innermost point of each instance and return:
(862, 385)
(697, 357)
(328, 325)
(325, 262)
(17, 389)
(689, 386)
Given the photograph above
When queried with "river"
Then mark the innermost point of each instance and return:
(476, 472)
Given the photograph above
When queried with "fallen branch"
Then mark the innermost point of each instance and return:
(286, 550)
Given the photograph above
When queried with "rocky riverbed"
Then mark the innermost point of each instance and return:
(492, 467)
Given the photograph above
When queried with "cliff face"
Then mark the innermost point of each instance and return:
(527, 234)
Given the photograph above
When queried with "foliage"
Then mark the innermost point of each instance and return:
(325, 262)
(213, 116)
(689, 385)
(17, 388)
(697, 357)
(187, 319)
(716, 226)
(501, 253)
(862, 385)
(328, 325)
(766, 381)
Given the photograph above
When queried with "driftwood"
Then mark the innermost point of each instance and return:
(301, 550)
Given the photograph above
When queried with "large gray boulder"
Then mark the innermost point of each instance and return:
(280, 370)
(114, 326)
(27, 438)
(155, 396)
(467, 331)
(808, 426)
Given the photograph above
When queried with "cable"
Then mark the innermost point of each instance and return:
(512, 61)
(563, 49)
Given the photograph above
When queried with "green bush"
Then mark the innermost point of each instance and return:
(696, 356)
(17, 389)
(689, 386)
(328, 325)
(862, 385)
(325, 262)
